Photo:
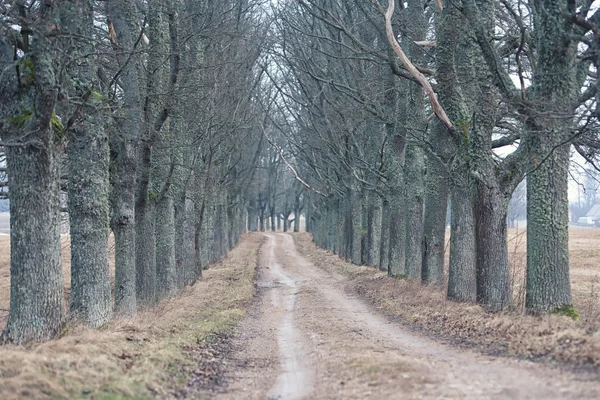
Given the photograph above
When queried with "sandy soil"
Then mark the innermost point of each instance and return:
(309, 336)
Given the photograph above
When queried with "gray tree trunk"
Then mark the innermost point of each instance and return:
(124, 144)
(145, 252)
(397, 252)
(355, 214)
(88, 157)
(434, 223)
(374, 230)
(384, 252)
(462, 284)
(37, 306)
(162, 175)
(554, 90)
(415, 194)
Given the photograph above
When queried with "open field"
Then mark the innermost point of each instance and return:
(151, 355)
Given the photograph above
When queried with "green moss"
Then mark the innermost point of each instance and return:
(57, 126)
(97, 96)
(399, 276)
(28, 73)
(568, 311)
(19, 120)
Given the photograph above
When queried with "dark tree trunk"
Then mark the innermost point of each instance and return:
(493, 283)
(297, 219)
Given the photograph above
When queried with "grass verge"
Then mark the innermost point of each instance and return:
(139, 358)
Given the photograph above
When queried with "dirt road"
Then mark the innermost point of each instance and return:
(310, 337)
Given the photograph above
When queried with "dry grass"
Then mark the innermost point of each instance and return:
(554, 337)
(141, 357)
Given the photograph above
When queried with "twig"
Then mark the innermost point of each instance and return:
(289, 165)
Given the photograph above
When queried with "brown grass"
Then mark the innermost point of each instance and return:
(554, 337)
(141, 357)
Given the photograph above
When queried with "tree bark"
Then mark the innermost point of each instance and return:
(554, 90)
(355, 206)
(462, 285)
(374, 230)
(434, 223)
(37, 306)
(124, 145)
(88, 158)
(385, 236)
(415, 188)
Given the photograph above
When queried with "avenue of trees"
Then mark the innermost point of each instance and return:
(139, 112)
(173, 126)
(391, 111)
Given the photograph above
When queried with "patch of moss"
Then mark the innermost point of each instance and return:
(28, 72)
(97, 96)
(19, 120)
(57, 126)
(568, 311)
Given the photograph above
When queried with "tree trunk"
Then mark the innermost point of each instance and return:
(297, 219)
(434, 223)
(90, 298)
(88, 157)
(273, 222)
(397, 253)
(462, 284)
(548, 283)
(145, 252)
(37, 306)
(252, 216)
(355, 215)
(166, 268)
(415, 188)
(124, 145)
(555, 91)
(493, 283)
(385, 236)
(374, 230)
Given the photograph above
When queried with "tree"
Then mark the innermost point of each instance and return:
(32, 136)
